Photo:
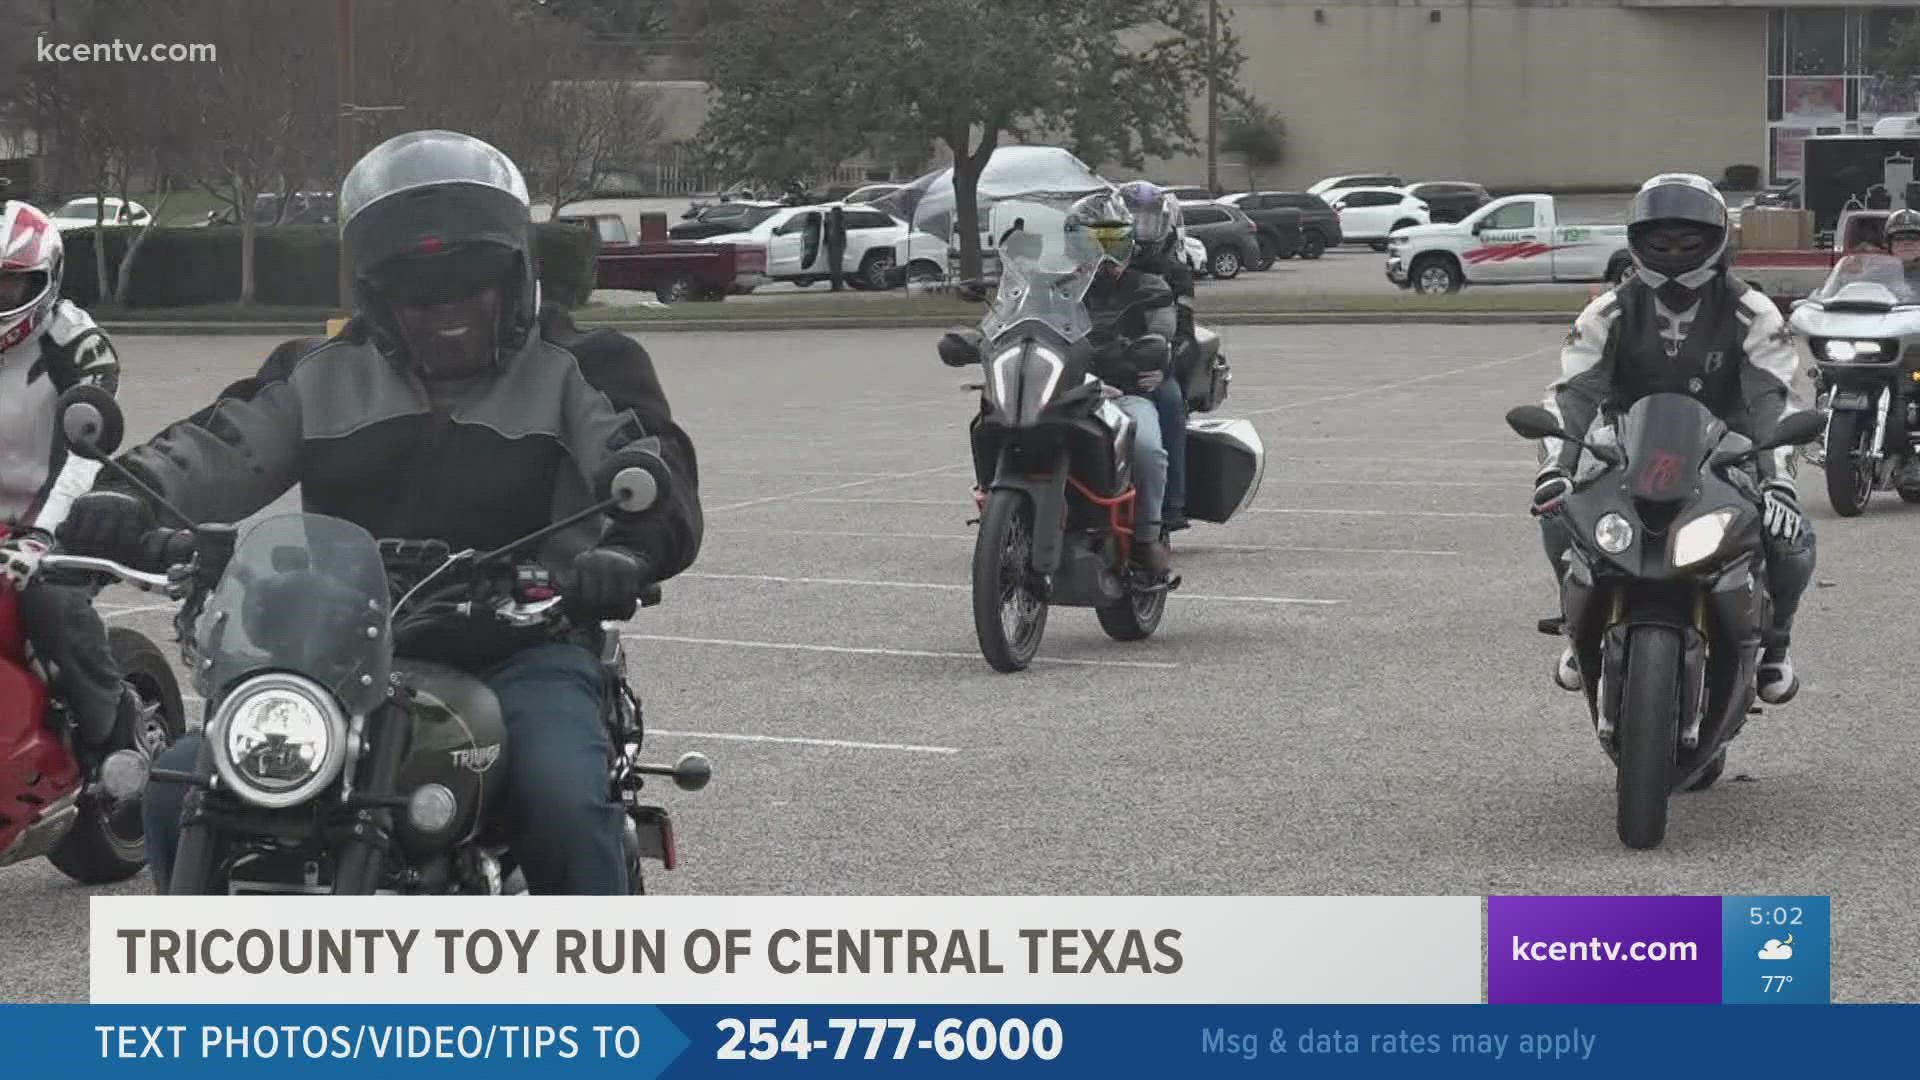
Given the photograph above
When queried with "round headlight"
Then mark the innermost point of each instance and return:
(1613, 533)
(278, 740)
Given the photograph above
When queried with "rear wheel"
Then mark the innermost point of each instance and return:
(1269, 253)
(108, 841)
(1648, 733)
(675, 289)
(1849, 474)
(1008, 618)
(1312, 244)
(1134, 618)
(877, 272)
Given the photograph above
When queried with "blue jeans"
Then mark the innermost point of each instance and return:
(1149, 465)
(565, 829)
(1171, 401)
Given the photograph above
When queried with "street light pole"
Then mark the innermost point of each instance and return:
(343, 132)
(1213, 97)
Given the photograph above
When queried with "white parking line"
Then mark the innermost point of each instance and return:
(836, 487)
(925, 654)
(844, 744)
(942, 586)
(855, 534)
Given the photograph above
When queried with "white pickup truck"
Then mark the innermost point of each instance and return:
(1517, 240)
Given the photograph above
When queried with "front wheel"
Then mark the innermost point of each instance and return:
(1648, 734)
(1849, 473)
(108, 841)
(1435, 275)
(1008, 618)
(1134, 618)
(1225, 263)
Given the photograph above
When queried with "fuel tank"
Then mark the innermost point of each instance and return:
(460, 742)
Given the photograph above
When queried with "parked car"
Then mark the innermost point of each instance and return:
(861, 196)
(1189, 193)
(723, 218)
(1231, 238)
(672, 270)
(794, 238)
(1369, 215)
(1354, 180)
(1450, 200)
(1518, 240)
(83, 212)
(304, 208)
(1284, 215)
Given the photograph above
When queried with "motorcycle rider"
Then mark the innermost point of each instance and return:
(1126, 302)
(1156, 226)
(453, 406)
(48, 345)
(1684, 324)
(1903, 243)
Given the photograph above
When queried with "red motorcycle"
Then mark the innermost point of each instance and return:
(90, 831)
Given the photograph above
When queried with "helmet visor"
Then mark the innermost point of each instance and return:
(1678, 202)
(1152, 224)
(20, 290)
(1116, 241)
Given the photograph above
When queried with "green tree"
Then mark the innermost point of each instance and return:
(1900, 59)
(1257, 135)
(800, 87)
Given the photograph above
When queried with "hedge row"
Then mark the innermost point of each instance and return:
(294, 265)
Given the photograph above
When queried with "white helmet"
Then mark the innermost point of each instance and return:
(1691, 202)
(30, 253)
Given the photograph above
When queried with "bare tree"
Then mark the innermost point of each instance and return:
(572, 135)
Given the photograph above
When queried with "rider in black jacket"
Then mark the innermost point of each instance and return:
(1684, 324)
(1156, 218)
(451, 408)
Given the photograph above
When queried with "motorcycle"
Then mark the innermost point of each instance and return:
(1052, 452)
(331, 764)
(88, 828)
(1664, 593)
(1863, 329)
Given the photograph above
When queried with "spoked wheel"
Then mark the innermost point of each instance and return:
(1136, 617)
(1648, 734)
(1849, 474)
(1008, 618)
(108, 841)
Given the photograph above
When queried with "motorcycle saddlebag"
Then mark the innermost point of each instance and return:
(1225, 462)
(1204, 373)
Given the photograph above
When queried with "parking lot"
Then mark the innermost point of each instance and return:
(1347, 697)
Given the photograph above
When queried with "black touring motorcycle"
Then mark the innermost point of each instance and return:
(1052, 452)
(1664, 593)
(329, 765)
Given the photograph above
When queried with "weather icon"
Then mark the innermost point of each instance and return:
(1775, 949)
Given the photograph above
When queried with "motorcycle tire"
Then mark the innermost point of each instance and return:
(1134, 618)
(108, 841)
(1001, 560)
(1849, 484)
(636, 877)
(1648, 735)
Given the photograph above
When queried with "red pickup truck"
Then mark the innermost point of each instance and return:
(672, 270)
(1789, 274)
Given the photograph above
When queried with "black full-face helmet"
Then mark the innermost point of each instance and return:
(1677, 233)
(431, 215)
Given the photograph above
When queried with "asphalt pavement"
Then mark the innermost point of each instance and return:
(1347, 697)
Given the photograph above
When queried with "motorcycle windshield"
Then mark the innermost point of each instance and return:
(1870, 279)
(1045, 270)
(304, 594)
(1667, 437)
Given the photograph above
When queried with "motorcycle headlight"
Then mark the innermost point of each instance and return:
(1845, 352)
(1613, 533)
(278, 740)
(1700, 537)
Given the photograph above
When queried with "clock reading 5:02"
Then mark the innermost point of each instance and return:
(1777, 916)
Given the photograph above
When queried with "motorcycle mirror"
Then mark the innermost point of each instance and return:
(958, 350)
(692, 772)
(631, 482)
(123, 775)
(1799, 428)
(92, 422)
(1534, 422)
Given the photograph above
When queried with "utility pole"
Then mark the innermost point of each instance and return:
(1213, 97)
(343, 132)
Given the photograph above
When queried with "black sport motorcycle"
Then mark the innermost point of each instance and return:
(1664, 593)
(1053, 453)
(1863, 329)
(332, 765)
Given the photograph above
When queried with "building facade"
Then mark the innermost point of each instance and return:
(1556, 94)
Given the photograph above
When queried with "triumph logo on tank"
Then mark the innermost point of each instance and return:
(477, 759)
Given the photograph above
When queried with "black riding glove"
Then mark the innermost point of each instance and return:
(607, 583)
(108, 524)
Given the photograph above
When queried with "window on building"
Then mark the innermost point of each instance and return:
(1817, 41)
(1821, 77)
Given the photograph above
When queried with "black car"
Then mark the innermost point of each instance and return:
(1450, 200)
(1308, 217)
(304, 208)
(723, 218)
(1231, 238)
